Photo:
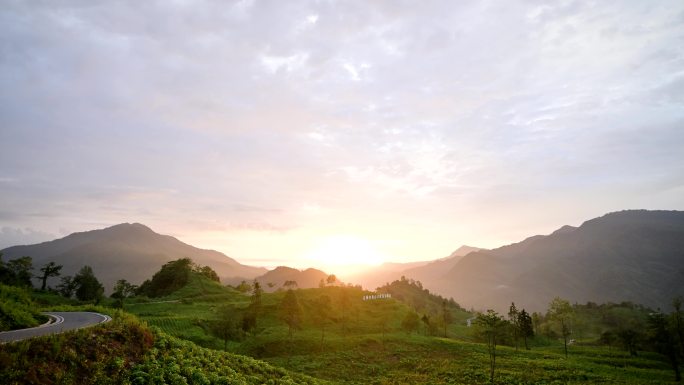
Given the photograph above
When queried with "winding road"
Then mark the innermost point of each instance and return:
(60, 322)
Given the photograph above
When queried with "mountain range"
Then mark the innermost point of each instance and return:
(634, 255)
(130, 251)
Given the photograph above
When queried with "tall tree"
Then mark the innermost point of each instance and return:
(345, 305)
(664, 341)
(561, 312)
(677, 322)
(88, 288)
(50, 270)
(525, 327)
(226, 327)
(447, 317)
(491, 326)
(17, 272)
(122, 290)
(291, 312)
(331, 279)
(67, 286)
(321, 314)
(513, 319)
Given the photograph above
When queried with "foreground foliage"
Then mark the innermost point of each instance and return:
(125, 351)
(17, 309)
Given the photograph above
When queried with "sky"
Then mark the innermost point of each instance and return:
(316, 133)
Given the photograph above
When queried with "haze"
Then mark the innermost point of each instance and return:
(325, 133)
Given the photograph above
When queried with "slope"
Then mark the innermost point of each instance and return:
(632, 255)
(130, 251)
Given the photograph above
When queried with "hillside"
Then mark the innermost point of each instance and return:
(124, 351)
(633, 256)
(130, 251)
(274, 279)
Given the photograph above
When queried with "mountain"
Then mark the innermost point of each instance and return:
(126, 251)
(634, 255)
(421, 270)
(277, 277)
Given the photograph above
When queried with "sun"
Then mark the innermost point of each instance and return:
(343, 252)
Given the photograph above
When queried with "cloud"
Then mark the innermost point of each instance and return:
(240, 115)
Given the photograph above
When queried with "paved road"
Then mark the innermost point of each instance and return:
(62, 321)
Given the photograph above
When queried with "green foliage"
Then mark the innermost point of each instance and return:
(102, 354)
(17, 310)
(490, 326)
(88, 288)
(663, 337)
(49, 270)
(122, 290)
(562, 313)
(67, 286)
(173, 361)
(410, 322)
(16, 272)
(171, 277)
(291, 311)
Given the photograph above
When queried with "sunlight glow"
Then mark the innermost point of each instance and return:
(342, 252)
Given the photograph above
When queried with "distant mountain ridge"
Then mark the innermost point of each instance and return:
(130, 251)
(633, 255)
(305, 279)
(421, 270)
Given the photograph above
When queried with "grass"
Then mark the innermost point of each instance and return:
(364, 355)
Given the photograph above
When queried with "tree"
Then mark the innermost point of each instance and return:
(491, 326)
(345, 304)
(608, 338)
(561, 312)
(410, 322)
(290, 284)
(447, 317)
(243, 287)
(513, 319)
(253, 311)
(525, 327)
(630, 340)
(207, 272)
(331, 279)
(322, 313)
(67, 286)
(291, 312)
(664, 340)
(677, 322)
(226, 327)
(17, 272)
(122, 290)
(50, 270)
(171, 277)
(88, 288)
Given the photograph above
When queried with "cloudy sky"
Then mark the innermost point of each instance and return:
(277, 131)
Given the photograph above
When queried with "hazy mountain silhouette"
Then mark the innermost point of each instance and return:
(126, 251)
(634, 255)
(277, 277)
(422, 270)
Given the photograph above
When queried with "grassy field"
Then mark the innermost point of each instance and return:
(374, 350)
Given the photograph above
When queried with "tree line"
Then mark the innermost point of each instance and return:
(632, 328)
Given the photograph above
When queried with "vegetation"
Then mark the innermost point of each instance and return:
(343, 339)
(17, 310)
(88, 288)
(16, 272)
